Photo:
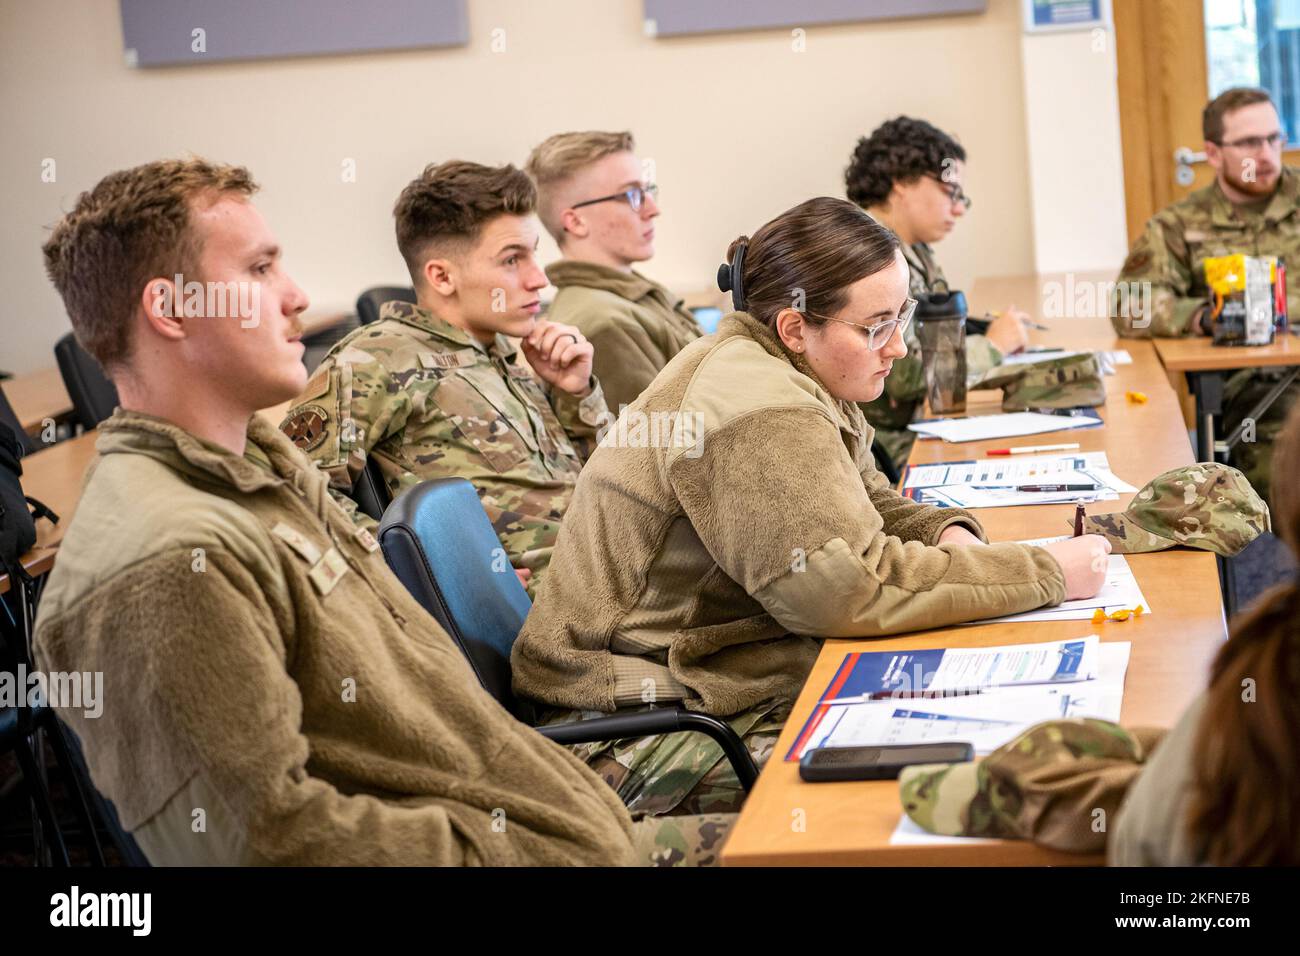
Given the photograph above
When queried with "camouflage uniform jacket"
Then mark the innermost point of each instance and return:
(904, 394)
(635, 325)
(1171, 255)
(1171, 252)
(427, 400)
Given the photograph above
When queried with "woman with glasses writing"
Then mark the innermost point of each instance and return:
(735, 518)
(908, 175)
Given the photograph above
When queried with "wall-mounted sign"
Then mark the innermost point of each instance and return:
(1048, 16)
(666, 18)
(174, 32)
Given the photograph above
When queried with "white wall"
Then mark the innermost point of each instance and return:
(1076, 166)
(740, 127)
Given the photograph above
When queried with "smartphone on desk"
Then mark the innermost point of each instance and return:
(826, 764)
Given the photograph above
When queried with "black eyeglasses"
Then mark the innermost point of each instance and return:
(953, 190)
(1254, 144)
(634, 196)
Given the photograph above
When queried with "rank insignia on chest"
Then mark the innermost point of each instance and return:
(328, 571)
(367, 540)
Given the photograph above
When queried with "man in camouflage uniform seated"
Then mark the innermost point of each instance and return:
(1251, 209)
(908, 175)
(434, 390)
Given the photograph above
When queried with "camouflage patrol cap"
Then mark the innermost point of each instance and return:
(1066, 381)
(1207, 505)
(1046, 785)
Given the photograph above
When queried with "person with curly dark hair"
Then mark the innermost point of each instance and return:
(908, 175)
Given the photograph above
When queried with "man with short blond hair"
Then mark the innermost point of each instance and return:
(595, 202)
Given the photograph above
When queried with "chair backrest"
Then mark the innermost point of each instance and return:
(884, 463)
(369, 302)
(132, 855)
(370, 491)
(9, 417)
(93, 396)
(440, 544)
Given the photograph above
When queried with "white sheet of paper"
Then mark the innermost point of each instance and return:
(986, 721)
(908, 833)
(1013, 470)
(1120, 590)
(1031, 358)
(1010, 425)
(961, 496)
(1108, 701)
(1106, 358)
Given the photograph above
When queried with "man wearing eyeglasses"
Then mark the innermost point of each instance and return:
(908, 175)
(594, 200)
(1252, 208)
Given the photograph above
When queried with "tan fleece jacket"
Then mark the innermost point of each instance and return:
(261, 664)
(635, 325)
(708, 573)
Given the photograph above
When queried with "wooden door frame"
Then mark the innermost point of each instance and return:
(1150, 92)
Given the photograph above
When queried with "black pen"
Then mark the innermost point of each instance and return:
(1046, 488)
(916, 694)
(1036, 488)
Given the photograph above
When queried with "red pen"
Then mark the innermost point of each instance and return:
(1031, 449)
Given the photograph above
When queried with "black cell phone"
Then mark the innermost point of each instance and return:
(876, 763)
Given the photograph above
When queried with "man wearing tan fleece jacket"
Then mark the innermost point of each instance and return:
(272, 694)
(706, 566)
(595, 202)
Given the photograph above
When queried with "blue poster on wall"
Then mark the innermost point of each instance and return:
(1049, 15)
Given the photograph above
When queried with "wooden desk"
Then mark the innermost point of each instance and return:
(55, 476)
(788, 822)
(1207, 366)
(37, 396)
(1199, 354)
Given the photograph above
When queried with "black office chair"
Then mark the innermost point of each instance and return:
(129, 850)
(439, 542)
(18, 727)
(884, 464)
(370, 491)
(15, 740)
(9, 417)
(370, 301)
(93, 396)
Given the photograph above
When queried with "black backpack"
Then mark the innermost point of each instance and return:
(18, 513)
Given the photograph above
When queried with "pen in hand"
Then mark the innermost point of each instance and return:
(1078, 519)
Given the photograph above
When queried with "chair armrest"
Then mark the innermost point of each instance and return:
(666, 720)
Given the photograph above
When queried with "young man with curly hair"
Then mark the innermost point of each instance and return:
(908, 176)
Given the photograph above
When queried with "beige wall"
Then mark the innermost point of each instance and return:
(739, 126)
(1076, 165)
